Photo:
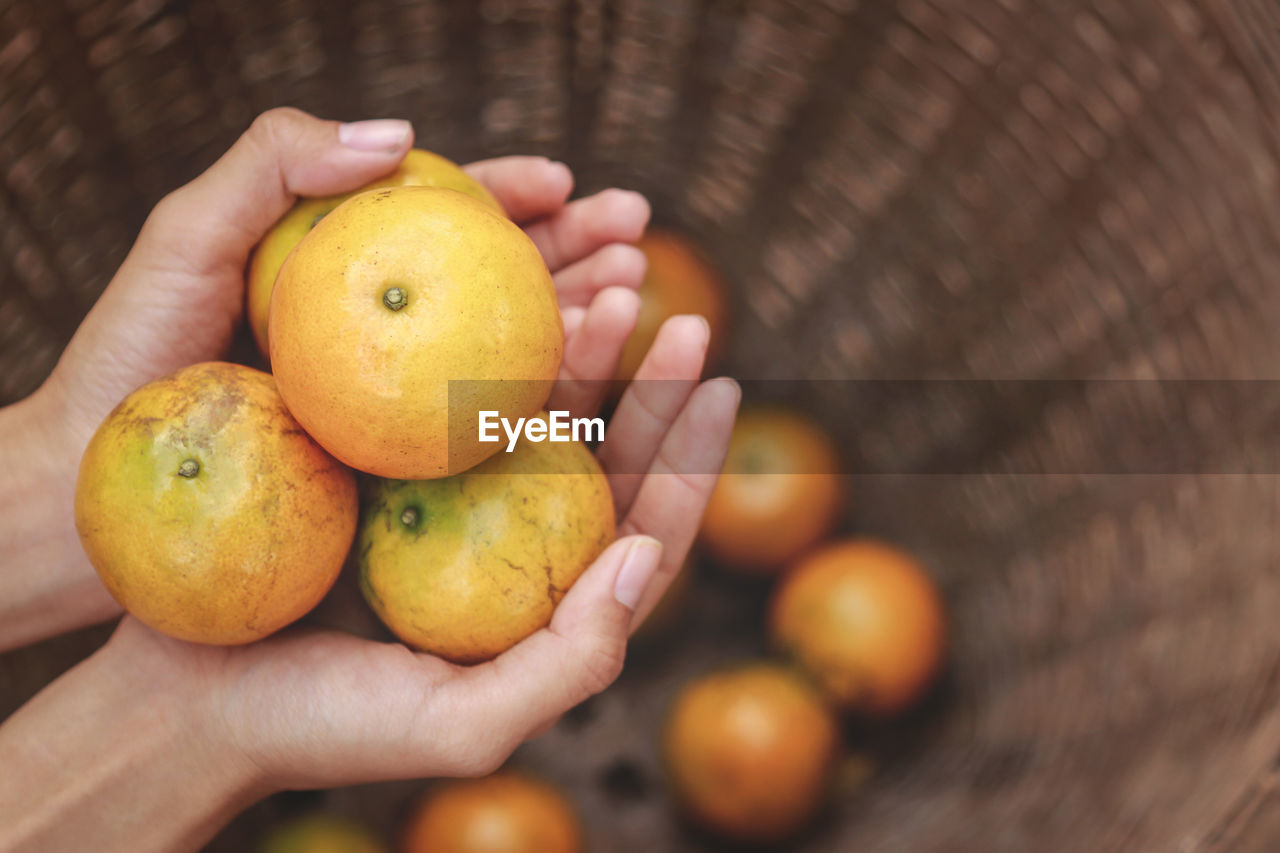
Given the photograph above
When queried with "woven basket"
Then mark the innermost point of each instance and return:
(949, 189)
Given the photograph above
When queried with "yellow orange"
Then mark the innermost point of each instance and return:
(391, 297)
(207, 511)
(418, 169)
(466, 567)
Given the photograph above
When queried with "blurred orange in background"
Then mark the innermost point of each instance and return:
(866, 620)
(506, 812)
(750, 751)
(679, 280)
(321, 833)
(781, 491)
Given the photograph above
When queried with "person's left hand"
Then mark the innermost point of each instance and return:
(179, 295)
(320, 708)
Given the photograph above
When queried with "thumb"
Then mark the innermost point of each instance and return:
(212, 223)
(579, 654)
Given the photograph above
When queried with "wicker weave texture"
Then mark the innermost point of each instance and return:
(947, 189)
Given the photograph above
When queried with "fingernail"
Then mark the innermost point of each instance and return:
(382, 134)
(559, 176)
(706, 327)
(731, 383)
(639, 199)
(637, 570)
(648, 209)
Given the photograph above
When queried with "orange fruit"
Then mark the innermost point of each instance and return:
(750, 751)
(503, 813)
(390, 297)
(321, 833)
(866, 620)
(418, 169)
(207, 511)
(466, 567)
(678, 280)
(779, 493)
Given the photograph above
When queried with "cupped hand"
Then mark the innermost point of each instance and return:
(314, 708)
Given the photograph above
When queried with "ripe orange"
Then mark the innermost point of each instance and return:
(750, 751)
(865, 618)
(207, 511)
(503, 813)
(679, 280)
(418, 169)
(321, 833)
(780, 492)
(390, 297)
(466, 567)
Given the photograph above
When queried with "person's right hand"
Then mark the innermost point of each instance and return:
(311, 708)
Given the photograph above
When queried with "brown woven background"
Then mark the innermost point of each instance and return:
(940, 188)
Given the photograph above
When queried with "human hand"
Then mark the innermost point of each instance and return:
(170, 739)
(312, 708)
(179, 295)
(178, 298)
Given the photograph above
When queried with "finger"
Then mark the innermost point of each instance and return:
(212, 223)
(544, 728)
(615, 265)
(579, 654)
(572, 319)
(527, 187)
(591, 354)
(662, 386)
(674, 493)
(583, 226)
